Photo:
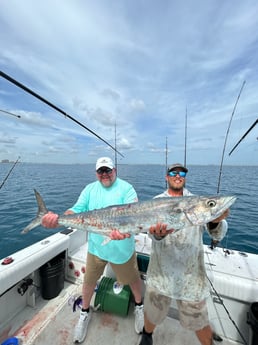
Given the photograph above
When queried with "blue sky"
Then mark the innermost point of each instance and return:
(136, 65)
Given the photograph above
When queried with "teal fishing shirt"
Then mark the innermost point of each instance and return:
(95, 196)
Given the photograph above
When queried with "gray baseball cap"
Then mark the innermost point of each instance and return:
(176, 166)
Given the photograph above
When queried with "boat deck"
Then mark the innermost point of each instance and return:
(53, 322)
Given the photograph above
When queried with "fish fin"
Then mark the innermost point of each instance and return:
(42, 210)
(33, 224)
(106, 241)
(41, 205)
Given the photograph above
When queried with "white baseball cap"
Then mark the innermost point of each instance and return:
(104, 162)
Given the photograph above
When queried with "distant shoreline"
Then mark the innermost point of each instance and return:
(6, 161)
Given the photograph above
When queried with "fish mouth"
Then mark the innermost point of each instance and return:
(228, 202)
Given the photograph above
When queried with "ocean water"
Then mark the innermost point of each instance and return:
(60, 186)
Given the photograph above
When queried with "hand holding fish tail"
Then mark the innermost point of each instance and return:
(50, 220)
(160, 230)
(117, 235)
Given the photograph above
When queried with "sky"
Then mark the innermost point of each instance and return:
(158, 80)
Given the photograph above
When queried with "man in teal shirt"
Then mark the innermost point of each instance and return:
(106, 191)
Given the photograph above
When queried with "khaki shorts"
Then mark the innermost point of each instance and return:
(126, 273)
(192, 315)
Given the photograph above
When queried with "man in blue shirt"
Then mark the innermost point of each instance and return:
(106, 191)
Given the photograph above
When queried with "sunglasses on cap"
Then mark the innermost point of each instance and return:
(174, 173)
(104, 170)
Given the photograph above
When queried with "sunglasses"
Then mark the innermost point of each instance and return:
(174, 173)
(104, 170)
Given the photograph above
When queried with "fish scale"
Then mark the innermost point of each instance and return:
(176, 212)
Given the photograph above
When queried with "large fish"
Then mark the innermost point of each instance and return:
(176, 212)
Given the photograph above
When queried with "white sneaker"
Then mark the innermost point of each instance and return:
(80, 330)
(139, 318)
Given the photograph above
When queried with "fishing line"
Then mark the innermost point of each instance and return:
(221, 164)
(229, 316)
(7, 112)
(25, 88)
(9, 172)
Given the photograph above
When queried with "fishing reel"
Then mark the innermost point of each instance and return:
(214, 244)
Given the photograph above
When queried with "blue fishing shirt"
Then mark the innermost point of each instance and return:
(95, 196)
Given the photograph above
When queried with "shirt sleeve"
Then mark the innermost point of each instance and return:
(131, 195)
(82, 203)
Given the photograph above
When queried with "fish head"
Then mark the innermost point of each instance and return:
(201, 210)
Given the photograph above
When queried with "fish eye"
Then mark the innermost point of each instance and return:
(211, 203)
(178, 210)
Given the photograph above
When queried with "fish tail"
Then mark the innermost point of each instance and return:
(42, 210)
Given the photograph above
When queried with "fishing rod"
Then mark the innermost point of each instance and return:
(166, 160)
(249, 130)
(25, 88)
(7, 112)
(115, 150)
(166, 149)
(185, 135)
(233, 112)
(9, 172)
(212, 286)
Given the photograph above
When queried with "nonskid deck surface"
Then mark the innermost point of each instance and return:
(110, 329)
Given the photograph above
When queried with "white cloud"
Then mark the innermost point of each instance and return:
(137, 104)
(134, 65)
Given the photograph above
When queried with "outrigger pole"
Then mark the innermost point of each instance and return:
(25, 88)
(249, 130)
